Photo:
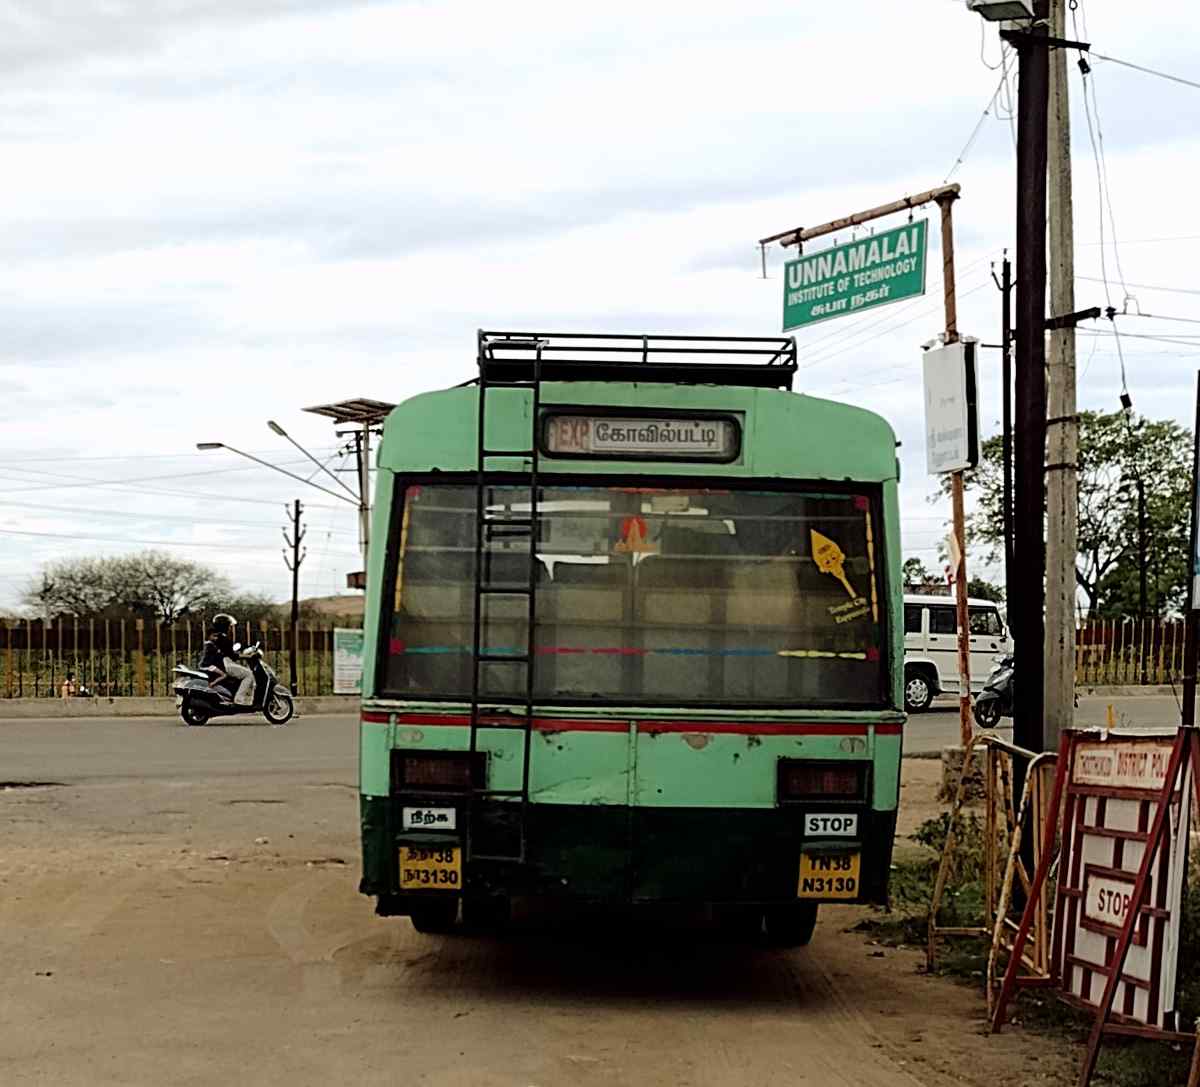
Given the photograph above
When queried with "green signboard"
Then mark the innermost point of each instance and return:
(855, 277)
(347, 660)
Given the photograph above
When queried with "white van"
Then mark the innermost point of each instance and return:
(931, 647)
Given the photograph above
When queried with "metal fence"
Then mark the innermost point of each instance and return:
(135, 657)
(1129, 651)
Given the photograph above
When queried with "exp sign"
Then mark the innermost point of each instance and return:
(642, 437)
(855, 277)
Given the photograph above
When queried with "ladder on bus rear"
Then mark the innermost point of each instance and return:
(495, 524)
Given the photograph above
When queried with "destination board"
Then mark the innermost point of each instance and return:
(642, 437)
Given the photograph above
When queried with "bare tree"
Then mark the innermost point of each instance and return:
(173, 587)
(72, 586)
(151, 583)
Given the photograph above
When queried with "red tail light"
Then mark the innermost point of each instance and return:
(436, 771)
(802, 780)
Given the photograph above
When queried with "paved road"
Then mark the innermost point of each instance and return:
(87, 749)
(938, 728)
(73, 750)
(183, 910)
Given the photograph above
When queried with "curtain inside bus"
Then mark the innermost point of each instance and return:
(648, 596)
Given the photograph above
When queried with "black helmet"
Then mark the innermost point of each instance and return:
(223, 624)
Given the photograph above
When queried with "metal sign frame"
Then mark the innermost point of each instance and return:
(1178, 775)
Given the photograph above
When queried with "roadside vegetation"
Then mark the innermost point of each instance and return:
(1123, 1062)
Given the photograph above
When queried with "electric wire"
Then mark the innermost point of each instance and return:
(895, 318)
(183, 519)
(1148, 71)
(1009, 113)
(1145, 286)
(893, 328)
(1102, 195)
(124, 539)
(840, 335)
(1183, 340)
(1161, 317)
(987, 110)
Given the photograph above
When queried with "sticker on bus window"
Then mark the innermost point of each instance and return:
(633, 538)
(831, 559)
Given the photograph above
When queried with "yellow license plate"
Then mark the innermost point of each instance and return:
(829, 875)
(430, 868)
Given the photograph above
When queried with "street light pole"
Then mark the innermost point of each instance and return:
(275, 468)
(276, 428)
(362, 444)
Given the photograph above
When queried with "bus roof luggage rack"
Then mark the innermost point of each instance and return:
(761, 362)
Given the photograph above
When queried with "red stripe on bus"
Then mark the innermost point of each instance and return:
(755, 728)
(581, 726)
(371, 717)
(550, 724)
(541, 724)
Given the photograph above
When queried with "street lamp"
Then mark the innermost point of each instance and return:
(275, 468)
(284, 434)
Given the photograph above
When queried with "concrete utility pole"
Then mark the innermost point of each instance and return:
(293, 563)
(1062, 505)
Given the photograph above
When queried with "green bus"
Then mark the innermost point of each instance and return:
(633, 636)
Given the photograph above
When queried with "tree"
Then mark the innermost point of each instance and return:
(918, 578)
(251, 608)
(76, 587)
(172, 587)
(1115, 450)
(149, 583)
(915, 573)
(979, 588)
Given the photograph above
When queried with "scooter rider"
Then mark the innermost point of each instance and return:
(220, 654)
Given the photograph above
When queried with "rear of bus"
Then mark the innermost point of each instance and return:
(717, 655)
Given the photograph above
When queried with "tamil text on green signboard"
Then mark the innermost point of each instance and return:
(855, 277)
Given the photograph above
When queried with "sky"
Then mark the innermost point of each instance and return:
(219, 212)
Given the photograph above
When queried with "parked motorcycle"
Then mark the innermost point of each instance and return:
(996, 698)
(201, 694)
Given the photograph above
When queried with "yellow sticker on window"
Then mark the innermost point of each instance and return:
(831, 559)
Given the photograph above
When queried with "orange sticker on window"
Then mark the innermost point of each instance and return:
(633, 538)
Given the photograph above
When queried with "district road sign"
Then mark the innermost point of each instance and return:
(855, 277)
(1113, 784)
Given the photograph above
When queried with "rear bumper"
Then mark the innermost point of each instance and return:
(612, 853)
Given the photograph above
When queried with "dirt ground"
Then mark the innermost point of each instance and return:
(207, 929)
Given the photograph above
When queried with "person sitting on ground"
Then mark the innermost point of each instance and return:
(220, 654)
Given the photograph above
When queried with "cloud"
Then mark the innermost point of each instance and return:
(36, 33)
(221, 212)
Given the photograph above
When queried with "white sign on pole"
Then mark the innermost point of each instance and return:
(951, 408)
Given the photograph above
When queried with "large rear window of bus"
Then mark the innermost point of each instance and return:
(647, 596)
